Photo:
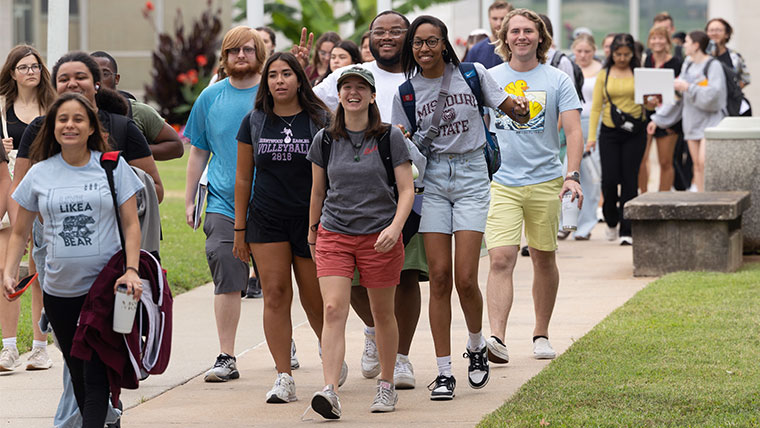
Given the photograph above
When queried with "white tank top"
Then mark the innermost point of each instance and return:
(588, 91)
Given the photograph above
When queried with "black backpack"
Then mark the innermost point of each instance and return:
(577, 73)
(734, 94)
(384, 150)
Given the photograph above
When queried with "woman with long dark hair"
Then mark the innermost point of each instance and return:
(457, 191)
(355, 223)
(622, 139)
(25, 93)
(67, 183)
(274, 138)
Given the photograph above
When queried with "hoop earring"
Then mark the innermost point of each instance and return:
(445, 53)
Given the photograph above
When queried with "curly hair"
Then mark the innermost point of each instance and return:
(545, 39)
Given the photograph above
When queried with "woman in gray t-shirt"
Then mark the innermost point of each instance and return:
(357, 223)
(457, 189)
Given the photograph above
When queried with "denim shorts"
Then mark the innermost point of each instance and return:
(457, 193)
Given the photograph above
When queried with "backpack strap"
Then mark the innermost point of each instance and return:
(109, 161)
(556, 58)
(406, 91)
(256, 124)
(473, 81)
(384, 149)
(326, 148)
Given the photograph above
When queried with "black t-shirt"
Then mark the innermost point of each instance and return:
(15, 126)
(725, 58)
(134, 146)
(673, 63)
(282, 184)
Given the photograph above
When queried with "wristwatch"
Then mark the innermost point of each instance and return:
(574, 175)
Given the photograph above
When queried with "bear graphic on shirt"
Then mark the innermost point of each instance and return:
(75, 231)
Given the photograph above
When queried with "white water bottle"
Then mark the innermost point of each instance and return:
(124, 308)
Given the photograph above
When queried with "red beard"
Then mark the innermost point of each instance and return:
(241, 71)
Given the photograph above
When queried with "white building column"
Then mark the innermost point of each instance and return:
(254, 13)
(58, 30)
(633, 18)
(6, 27)
(554, 12)
(383, 5)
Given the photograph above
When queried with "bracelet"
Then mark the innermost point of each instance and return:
(239, 230)
(314, 227)
(312, 243)
(132, 268)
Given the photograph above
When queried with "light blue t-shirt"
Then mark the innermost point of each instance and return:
(530, 152)
(80, 229)
(212, 126)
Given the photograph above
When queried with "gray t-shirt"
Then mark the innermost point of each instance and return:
(80, 228)
(359, 200)
(461, 129)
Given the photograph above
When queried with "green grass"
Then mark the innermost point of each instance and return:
(182, 250)
(683, 352)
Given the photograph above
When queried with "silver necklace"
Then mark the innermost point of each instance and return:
(290, 124)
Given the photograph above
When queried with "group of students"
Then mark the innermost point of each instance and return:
(55, 126)
(309, 169)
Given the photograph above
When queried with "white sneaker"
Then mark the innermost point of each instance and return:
(626, 240)
(9, 359)
(294, 364)
(611, 233)
(385, 399)
(599, 215)
(343, 374)
(403, 373)
(283, 391)
(370, 362)
(326, 403)
(39, 359)
(497, 350)
(542, 349)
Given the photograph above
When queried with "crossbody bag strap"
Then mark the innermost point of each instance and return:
(436, 122)
(609, 99)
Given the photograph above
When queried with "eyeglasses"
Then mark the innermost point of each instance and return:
(324, 54)
(247, 50)
(106, 74)
(26, 69)
(394, 33)
(431, 42)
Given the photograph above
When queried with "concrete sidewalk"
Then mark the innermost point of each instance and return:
(596, 277)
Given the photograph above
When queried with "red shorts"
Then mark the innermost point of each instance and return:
(338, 254)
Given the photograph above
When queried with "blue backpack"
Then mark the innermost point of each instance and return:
(470, 74)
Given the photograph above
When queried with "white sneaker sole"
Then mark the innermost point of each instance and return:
(544, 356)
(323, 406)
(276, 399)
(32, 367)
(212, 377)
(495, 355)
(404, 381)
(372, 372)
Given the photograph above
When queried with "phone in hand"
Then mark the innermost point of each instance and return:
(23, 285)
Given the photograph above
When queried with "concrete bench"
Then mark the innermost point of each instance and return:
(675, 231)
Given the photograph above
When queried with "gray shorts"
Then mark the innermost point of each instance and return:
(229, 273)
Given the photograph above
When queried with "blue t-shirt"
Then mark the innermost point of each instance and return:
(212, 126)
(485, 53)
(530, 152)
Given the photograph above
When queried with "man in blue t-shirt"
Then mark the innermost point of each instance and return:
(528, 186)
(212, 129)
(483, 51)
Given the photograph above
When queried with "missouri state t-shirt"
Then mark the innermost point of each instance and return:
(80, 228)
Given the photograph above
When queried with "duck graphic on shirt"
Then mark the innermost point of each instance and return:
(537, 100)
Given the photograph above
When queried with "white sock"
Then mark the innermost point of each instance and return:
(444, 365)
(369, 330)
(42, 344)
(402, 357)
(9, 342)
(476, 341)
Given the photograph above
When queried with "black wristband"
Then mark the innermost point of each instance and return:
(314, 227)
(239, 230)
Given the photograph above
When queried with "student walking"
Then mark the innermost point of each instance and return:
(456, 186)
(66, 157)
(274, 138)
(355, 222)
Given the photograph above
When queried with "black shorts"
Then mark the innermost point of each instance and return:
(664, 132)
(263, 227)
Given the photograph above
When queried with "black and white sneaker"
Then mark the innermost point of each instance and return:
(442, 388)
(224, 369)
(253, 291)
(478, 371)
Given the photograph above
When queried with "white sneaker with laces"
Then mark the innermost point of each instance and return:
(39, 359)
(385, 399)
(294, 364)
(403, 373)
(542, 349)
(370, 362)
(343, 374)
(326, 403)
(9, 359)
(497, 350)
(283, 391)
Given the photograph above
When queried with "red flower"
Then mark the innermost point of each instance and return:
(182, 78)
(201, 60)
(192, 76)
(149, 5)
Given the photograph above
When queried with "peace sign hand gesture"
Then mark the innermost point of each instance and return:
(302, 50)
